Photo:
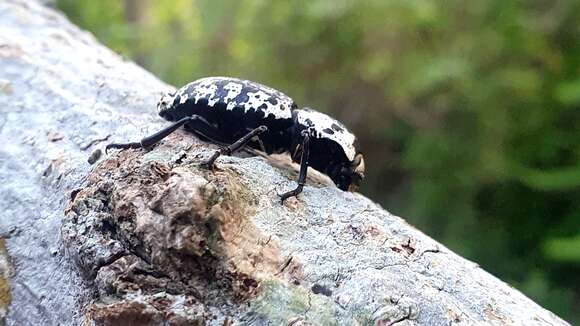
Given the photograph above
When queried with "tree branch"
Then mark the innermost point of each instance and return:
(148, 237)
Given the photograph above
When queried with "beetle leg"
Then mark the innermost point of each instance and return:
(303, 169)
(228, 150)
(158, 136)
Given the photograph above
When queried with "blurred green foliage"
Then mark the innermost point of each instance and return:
(468, 111)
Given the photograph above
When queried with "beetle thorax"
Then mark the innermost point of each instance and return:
(325, 127)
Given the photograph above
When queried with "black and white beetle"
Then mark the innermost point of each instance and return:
(235, 112)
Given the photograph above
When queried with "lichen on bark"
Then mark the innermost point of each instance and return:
(147, 223)
(5, 271)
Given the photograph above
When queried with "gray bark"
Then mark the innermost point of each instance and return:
(148, 237)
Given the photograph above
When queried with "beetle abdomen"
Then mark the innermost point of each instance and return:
(233, 106)
(232, 94)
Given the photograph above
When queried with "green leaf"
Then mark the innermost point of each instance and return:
(550, 180)
(568, 92)
(563, 249)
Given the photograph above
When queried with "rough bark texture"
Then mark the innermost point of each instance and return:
(147, 237)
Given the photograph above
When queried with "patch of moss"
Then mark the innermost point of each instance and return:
(280, 303)
(233, 197)
(237, 194)
(5, 295)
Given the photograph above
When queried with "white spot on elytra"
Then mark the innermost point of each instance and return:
(234, 89)
(257, 99)
(231, 106)
(183, 98)
(206, 91)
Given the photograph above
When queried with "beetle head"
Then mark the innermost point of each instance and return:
(348, 176)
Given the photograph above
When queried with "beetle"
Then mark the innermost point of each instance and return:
(235, 112)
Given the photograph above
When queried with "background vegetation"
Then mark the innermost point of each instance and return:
(468, 111)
